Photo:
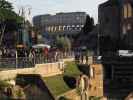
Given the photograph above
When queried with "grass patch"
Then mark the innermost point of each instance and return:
(57, 85)
(72, 69)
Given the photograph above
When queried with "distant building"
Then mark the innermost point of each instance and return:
(23, 36)
(127, 22)
(115, 33)
(32, 37)
(111, 74)
(116, 25)
(26, 36)
(62, 24)
(109, 25)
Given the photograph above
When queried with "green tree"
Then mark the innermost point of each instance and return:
(60, 42)
(5, 5)
(67, 44)
(63, 43)
(89, 25)
(7, 16)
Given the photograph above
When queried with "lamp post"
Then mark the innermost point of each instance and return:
(98, 41)
(16, 59)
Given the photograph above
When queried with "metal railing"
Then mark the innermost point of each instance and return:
(11, 63)
(88, 60)
(24, 62)
(27, 62)
(105, 60)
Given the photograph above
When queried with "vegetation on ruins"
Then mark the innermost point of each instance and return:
(58, 85)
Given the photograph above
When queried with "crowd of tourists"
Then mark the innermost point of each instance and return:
(36, 55)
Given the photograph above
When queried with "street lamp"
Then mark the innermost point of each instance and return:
(16, 59)
(98, 41)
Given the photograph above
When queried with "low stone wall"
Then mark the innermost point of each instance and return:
(70, 95)
(96, 80)
(10, 74)
(68, 59)
(49, 69)
(45, 70)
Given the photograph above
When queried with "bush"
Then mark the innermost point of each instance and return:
(70, 81)
(62, 98)
(84, 69)
(3, 84)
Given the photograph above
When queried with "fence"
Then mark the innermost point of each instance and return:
(11, 63)
(26, 62)
(22, 62)
(105, 60)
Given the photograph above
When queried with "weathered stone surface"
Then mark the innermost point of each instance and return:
(96, 82)
(45, 70)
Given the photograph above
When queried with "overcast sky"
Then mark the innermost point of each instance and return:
(54, 6)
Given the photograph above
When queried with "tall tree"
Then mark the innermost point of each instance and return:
(63, 43)
(89, 25)
(5, 5)
(7, 18)
(67, 44)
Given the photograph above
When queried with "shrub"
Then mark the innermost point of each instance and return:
(70, 81)
(62, 98)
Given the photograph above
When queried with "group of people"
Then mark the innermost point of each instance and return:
(7, 53)
(33, 55)
(81, 55)
(44, 55)
(24, 58)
